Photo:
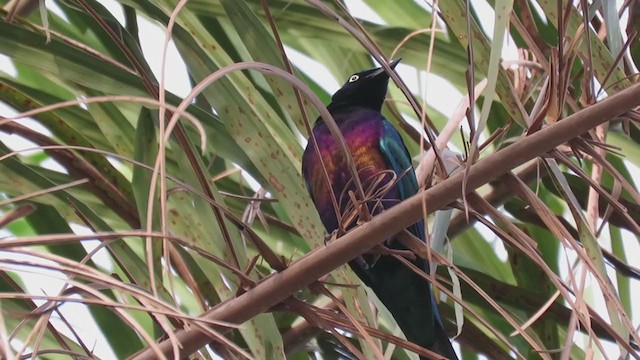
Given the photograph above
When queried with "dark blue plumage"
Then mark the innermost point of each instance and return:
(378, 151)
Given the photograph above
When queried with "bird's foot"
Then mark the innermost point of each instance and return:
(331, 236)
(363, 263)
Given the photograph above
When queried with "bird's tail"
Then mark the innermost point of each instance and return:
(409, 298)
(443, 346)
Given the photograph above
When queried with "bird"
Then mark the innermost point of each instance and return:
(384, 168)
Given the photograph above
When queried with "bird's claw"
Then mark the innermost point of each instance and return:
(362, 263)
(331, 236)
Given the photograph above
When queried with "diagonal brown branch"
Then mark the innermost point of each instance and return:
(308, 269)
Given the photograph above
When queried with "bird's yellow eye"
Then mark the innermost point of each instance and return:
(354, 78)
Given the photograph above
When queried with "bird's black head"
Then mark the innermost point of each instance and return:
(367, 89)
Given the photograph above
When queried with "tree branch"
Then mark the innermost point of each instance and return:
(277, 287)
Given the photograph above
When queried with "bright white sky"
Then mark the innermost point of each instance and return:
(440, 94)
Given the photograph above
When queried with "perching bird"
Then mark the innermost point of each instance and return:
(377, 150)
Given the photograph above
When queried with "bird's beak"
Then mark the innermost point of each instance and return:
(380, 70)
